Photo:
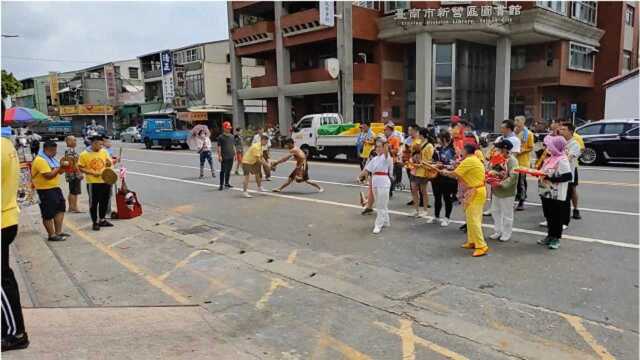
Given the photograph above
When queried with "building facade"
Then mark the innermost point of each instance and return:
(201, 83)
(415, 62)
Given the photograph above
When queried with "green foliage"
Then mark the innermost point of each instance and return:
(10, 85)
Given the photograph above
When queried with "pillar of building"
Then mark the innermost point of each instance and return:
(283, 72)
(344, 39)
(424, 48)
(503, 81)
(237, 110)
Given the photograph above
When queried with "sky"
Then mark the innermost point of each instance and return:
(68, 36)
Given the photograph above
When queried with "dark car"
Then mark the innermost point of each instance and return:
(610, 140)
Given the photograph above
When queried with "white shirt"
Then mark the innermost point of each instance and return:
(383, 164)
(573, 153)
(514, 140)
(556, 191)
(256, 139)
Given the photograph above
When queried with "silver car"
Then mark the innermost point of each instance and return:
(131, 134)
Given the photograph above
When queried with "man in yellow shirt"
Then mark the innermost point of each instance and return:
(13, 333)
(252, 163)
(524, 158)
(470, 174)
(92, 163)
(45, 175)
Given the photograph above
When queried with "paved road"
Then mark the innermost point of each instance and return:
(581, 300)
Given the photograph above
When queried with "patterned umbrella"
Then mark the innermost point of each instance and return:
(196, 130)
(193, 140)
(22, 115)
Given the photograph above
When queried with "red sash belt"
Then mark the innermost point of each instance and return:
(381, 173)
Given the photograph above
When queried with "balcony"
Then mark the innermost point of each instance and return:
(254, 38)
(366, 78)
(150, 74)
(262, 81)
(310, 75)
(304, 27)
(236, 5)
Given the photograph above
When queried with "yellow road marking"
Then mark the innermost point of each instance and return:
(404, 334)
(150, 278)
(292, 256)
(576, 322)
(347, 351)
(408, 342)
(275, 283)
(183, 209)
(182, 263)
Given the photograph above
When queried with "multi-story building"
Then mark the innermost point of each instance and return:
(201, 83)
(421, 62)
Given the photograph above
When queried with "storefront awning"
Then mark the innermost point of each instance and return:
(210, 110)
(132, 88)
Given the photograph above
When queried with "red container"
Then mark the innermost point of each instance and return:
(124, 212)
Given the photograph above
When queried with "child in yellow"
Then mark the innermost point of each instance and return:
(470, 173)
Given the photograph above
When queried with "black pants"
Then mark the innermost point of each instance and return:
(226, 165)
(99, 195)
(521, 194)
(556, 212)
(12, 320)
(396, 179)
(444, 189)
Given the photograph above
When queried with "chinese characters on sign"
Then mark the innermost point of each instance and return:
(166, 66)
(327, 13)
(110, 82)
(53, 88)
(470, 14)
(180, 99)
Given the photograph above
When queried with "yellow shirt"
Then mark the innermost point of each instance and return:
(479, 154)
(10, 179)
(524, 157)
(471, 171)
(253, 154)
(579, 140)
(94, 161)
(40, 166)
(426, 154)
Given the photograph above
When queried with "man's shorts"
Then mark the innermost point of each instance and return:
(51, 202)
(575, 177)
(74, 187)
(254, 169)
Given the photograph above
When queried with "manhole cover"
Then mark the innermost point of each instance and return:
(198, 229)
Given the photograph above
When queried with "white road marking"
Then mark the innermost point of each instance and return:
(395, 212)
(603, 211)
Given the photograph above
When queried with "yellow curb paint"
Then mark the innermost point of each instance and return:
(292, 257)
(576, 323)
(347, 351)
(420, 341)
(408, 340)
(150, 278)
(182, 263)
(275, 283)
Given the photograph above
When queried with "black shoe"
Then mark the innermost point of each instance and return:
(11, 342)
(220, 188)
(366, 211)
(576, 214)
(96, 227)
(56, 238)
(544, 241)
(105, 223)
(64, 235)
(228, 186)
(520, 206)
(463, 228)
(410, 203)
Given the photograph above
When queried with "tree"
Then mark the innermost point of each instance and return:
(10, 85)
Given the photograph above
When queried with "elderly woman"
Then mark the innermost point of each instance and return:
(471, 176)
(380, 167)
(553, 189)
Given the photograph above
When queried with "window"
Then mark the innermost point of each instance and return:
(133, 73)
(392, 6)
(194, 86)
(581, 57)
(626, 61)
(192, 55)
(555, 6)
(366, 4)
(117, 70)
(590, 129)
(305, 122)
(519, 59)
(549, 108)
(549, 55)
(628, 16)
(614, 129)
(633, 132)
(395, 112)
(443, 74)
(228, 86)
(585, 11)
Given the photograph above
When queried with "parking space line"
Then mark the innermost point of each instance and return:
(402, 332)
(150, 278)
(275, 283)
(395, 212)
(408, 339)
(347, 351)
(605, 211)
(182, 263)
(576, 323)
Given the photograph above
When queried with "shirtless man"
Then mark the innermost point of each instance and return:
(301, 172)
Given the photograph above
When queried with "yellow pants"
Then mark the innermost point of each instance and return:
(473, 214)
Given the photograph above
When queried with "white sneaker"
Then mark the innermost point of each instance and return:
(544, 223)
(387, 224)
(247, 195)
(444, 222)
(431, 219)
(376, 230)
(504, 238)
(321, 190)
(565, 227)
(486, 213)
(416, 214)
(495, 236)
(262, 189)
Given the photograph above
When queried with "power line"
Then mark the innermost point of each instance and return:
(49, 60)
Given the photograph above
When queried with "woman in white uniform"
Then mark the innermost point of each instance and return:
(380, 167)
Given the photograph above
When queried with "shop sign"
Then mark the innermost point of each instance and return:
(110, 81)
(456, 15)
(53, 88)
(166, 65)
(69, 110)
(327, 17)
(193, 116)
